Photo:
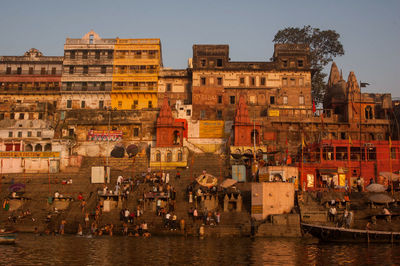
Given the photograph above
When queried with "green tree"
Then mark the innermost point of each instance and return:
(324, 46)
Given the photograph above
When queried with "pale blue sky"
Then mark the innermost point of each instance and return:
(369, 29)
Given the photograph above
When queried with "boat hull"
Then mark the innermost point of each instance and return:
(7, 238)
(336, 234)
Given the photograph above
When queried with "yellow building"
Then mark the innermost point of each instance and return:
(135, 77)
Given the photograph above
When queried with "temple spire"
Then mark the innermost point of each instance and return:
(334, 75)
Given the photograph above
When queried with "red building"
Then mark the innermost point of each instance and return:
(343, 161)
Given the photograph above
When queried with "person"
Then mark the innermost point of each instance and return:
(190, 197)
(368, 226)
(195, 214)
(359, 186)
(163, 177)
(83, 205)
(125, 229)
(6, 205)
(62, 227)
(158, 206)
(178, 175)
(56, 195)
(388, 215)
(127, 213)
(218, 217)
(86, 220)
(167, 178)
(80, 196)
(80, 230)
(371, 180)
(332, 213)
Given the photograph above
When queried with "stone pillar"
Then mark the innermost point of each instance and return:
(226, 203)
(239, 203)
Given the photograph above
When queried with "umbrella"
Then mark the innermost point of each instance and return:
(381, 198)
(16, 187)
(228, 183)
(118, 152)
(132, 150)
(207, 180)
(390, 175)
(375, 188)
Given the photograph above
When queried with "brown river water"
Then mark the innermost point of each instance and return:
(33, 249)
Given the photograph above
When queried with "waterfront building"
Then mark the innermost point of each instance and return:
(135, 74)
(87, 72)
(29, 96)
(175, 84)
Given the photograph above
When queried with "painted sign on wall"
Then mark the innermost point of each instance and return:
(103, 135)
(211, 129)
(29, 154)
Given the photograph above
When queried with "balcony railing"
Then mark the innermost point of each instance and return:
(33, 73)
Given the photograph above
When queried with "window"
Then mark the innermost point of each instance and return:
(71, 70)
(219, 62)
(29, 134)
(169, 87)
(69, 103)
(301, 100)
(169, 156)
(72, 54)
(284, 63)
(343, 135)
(91, 39)
(292, 82)
(110, 55)
(272, 99)
(135, 104)
(219, 98)
(203, 62)
(101, 104)
(53, 70)
(253, 81)
(241, 81)
(119, 104)
(85, 69)
(300, 63)
(21, 116)
(301, 82)
(136, 132)
(69, 86)
(19, 134)
(219, 81)
(83, 103)
(40, 116)
(12, 116)
(43, 71)
(71, 132)
(97, 55)
(262, 81)
(368, 112)
(188, 112)
(393, 153)
(8, 70)
(39, 134)
(10, 134)
(284, 81)
(202, 114)
(103, 70)
(180, 157)
(31, 71)
(203, 81)
(47, 147)
(2, 116)
(219, 114)
(150, 104)
(158, 156)
(84, 86)
(232, 99)
(84, 54)
(285, 100)
(327, 153)
(19, 70)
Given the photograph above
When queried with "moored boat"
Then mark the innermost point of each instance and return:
(7, 237)
(337, 234)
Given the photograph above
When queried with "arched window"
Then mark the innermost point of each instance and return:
(158, 156)
(169, 156)
(38, 147)
(180, 157)
(177, 137)
(368, 112)
(47, 147)
(28, 147)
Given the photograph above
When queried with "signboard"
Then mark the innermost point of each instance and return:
(256, 209)
(103, 135)
(29, 154)
(211, 129)
(272, 112)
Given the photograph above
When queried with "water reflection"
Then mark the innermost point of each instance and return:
(71, 250)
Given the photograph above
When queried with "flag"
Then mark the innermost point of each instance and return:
(302, 140)
(350, 142)
(363, 84)
(390, 142)
(314, 109)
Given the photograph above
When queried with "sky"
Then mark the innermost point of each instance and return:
(369, 29)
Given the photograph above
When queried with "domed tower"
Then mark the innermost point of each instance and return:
(335, 97)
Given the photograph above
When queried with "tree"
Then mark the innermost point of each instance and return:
(324, 46)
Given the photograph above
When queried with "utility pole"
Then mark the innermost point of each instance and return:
(362, 85)
(108, 144)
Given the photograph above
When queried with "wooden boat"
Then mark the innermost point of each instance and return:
(7, 237)
(337, 234)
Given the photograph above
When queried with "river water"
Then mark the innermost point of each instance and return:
(117, 250)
